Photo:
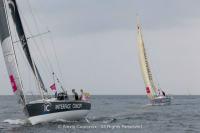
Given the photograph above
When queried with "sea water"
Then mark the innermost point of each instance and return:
(112, 114)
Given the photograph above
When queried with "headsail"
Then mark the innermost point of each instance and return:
(9, 55)
(20, 31)
(144, 64)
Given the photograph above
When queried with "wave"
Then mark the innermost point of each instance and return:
(63, 121)
(16, 121)
(57, 121)
(104, 120)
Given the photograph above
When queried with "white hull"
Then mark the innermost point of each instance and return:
(67, 115)
(161, 100)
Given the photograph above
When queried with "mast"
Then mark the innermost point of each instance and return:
(9, 55)
(144, 64)
(22, 36)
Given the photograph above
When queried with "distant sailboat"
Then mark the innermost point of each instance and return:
(156, 95)
(47, 108)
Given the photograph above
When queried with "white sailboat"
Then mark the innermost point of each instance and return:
(155, 95)
(47, 108)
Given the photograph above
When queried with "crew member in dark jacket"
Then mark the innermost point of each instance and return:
(75, 94)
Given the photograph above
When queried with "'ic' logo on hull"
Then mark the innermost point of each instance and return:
(47, 107)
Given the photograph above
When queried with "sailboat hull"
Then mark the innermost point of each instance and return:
(67, 115)
(161, 100)
(48, 111)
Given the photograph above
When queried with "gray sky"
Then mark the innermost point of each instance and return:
(96, 43)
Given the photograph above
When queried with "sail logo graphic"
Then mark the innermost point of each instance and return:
(13, 83)
(47, 107)
(147, 89)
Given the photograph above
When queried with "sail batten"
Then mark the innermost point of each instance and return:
(144, 64)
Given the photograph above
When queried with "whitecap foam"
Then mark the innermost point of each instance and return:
(63, 121)
(87, 120)
(147, 105)
(16, 121)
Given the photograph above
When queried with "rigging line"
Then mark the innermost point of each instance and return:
(56, 57)
(36, 25)
(29, 67)
(34, 36)
(58, 81)
(26, 62)
(23, 56)
(45, 65)
(43, 68)
(38, 30)
(35, 70)
(38, 84)
(40, 53)
(34, 67)
(46, 71)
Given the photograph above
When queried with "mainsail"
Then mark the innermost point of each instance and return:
(20, 31)
(144, 64)
(9, 55)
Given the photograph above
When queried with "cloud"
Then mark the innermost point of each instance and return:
(68, 17)
(96, 43)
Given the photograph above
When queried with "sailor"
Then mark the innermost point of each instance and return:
(56, 94)
(82, 97)
(159, 92)
(60, 96)
(163, 93)
(66, 96)
(75, 94)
